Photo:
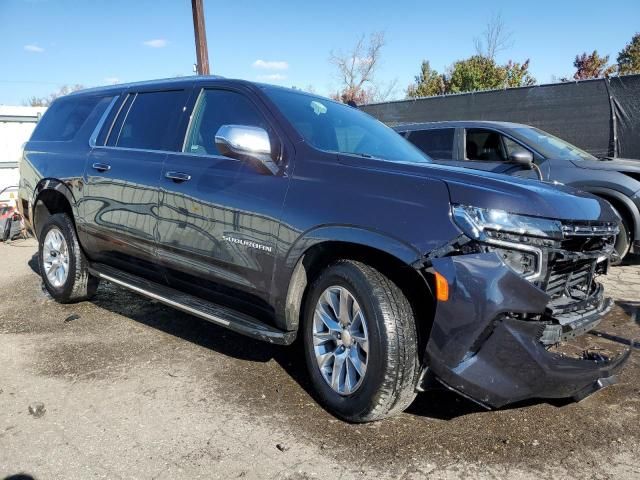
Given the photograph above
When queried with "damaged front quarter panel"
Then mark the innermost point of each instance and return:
(486, 344)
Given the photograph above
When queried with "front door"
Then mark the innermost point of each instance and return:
(489, 150)
(219, 217)
(120, 198)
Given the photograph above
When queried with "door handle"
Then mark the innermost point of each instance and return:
(178, 176)
(101, 167)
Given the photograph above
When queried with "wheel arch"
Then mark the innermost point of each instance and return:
(398, 261)
(623, 205)
(51, 196)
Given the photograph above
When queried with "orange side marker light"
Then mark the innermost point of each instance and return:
(442, 288)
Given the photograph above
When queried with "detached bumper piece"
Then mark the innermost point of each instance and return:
(490, 341)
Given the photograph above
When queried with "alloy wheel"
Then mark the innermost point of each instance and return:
(340, 340)
(55, 258)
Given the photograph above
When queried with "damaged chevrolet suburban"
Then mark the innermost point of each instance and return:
(282, 215)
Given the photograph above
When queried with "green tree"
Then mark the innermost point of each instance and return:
(476, 73)
(517, 75)
(428, 83)
(472, 74)
(629, 57)
(592, 66)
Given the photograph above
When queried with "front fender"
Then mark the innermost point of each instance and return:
(290, 280)
(632, 208)
(356, 235)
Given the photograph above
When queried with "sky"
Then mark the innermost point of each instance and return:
(49, 43)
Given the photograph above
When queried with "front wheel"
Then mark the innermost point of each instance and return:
(360, 343)
(63, 266)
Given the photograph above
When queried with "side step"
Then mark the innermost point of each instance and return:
(223, 316)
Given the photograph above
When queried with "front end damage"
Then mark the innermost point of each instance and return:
(495, 340)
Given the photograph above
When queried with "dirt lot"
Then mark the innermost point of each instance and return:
(132, 389)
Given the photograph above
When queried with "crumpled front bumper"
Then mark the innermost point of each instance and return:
(480, 346)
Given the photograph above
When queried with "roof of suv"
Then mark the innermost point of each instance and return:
(175, 82)
(407, 127)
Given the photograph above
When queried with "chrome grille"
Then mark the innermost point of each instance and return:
(586, 229)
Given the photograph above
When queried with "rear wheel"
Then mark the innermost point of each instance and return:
(360, 343)
(63, 266)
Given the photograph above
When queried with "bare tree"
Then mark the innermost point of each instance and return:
(46, 101)
(357, 68)
(495, 38)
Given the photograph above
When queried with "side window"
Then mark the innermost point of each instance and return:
(63, 120)
(214, 109)
(147, 121)
(510, 146)
(484, 145)
(437, 143)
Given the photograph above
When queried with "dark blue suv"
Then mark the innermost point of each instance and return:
(282, 215)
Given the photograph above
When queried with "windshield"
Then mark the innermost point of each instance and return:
(551, 146)
(335, 127)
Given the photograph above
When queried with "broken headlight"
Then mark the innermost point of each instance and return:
(517, 239)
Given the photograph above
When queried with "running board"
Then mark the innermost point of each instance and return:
(223, 316)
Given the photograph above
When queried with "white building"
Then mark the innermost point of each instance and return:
(16, 125)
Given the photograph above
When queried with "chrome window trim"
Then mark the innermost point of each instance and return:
(130, 149)
(124, 120)
(115, 119)
(165, 152)
(100, 124)
(187, 134)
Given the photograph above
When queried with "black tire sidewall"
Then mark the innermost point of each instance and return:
(359, 404)
(60, 222)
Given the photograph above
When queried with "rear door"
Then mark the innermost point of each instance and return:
(122, 176)
(219, 217)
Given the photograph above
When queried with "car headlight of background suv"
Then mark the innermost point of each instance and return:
(517, 239)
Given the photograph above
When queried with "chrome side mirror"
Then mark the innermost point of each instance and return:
(521, 157)
(245, 143)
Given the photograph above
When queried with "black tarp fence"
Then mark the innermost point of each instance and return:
(600, 116)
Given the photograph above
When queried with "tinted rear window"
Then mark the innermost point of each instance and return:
(64, 118)
(437, 143)
(150, 121)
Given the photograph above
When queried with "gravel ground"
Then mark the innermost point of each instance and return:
(122, 387)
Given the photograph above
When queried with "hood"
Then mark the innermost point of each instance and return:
(514, 195)
(614, 164)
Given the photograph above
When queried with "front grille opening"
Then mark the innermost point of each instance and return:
(573, 278)
(574, 265)
(587, 244)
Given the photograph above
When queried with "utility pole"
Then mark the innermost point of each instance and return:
(202, 53)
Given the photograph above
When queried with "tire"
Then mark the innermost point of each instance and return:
(388, 385)
(623, 242)
(77, 285)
